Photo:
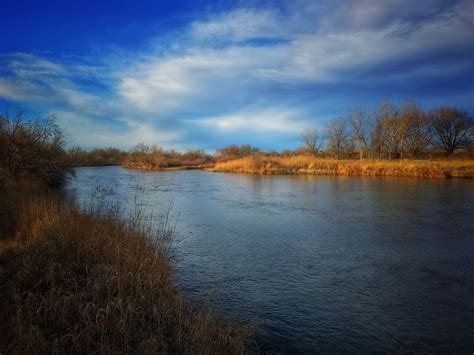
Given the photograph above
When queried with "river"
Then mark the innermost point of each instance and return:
(319, 263)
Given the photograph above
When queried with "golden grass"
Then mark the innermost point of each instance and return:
(304, 164)
(89, 282)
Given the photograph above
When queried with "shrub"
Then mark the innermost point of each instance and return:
(31, 151)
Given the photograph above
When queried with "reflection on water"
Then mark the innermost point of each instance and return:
(322, 264)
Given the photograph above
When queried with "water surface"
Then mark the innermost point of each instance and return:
(320, 263)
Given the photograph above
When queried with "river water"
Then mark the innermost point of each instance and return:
(318, 263)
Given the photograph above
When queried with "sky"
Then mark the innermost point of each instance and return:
(206, 74)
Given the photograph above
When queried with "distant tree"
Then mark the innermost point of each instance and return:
(235, 152)
(95, 157)
(393, 128)
(311, 140)
(384, 112)
(418, 132)
(360, 120)
(452, 128)
(392, 132)
(338, 137)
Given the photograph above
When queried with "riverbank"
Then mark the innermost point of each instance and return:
(159, 167)
(307, 165)
(89, 281)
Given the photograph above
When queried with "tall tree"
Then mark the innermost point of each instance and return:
(419, 133)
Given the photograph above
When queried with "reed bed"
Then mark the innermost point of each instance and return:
(305, 164)
(89, 282)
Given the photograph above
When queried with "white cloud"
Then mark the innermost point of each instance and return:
(278, 120)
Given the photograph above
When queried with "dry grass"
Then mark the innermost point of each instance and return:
(91, 283)
(304, 164)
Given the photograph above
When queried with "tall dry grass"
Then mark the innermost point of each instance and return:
(81, 282)
(305, 164)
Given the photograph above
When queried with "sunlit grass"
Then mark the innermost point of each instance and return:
(305, 164)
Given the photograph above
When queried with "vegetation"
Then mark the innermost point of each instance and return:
(311, 140)
(307, 164)
(95, 157)
(86, 281)
(389, 141)
(398, 132)
(92, 282)
(340, 144)
(154, 158)
(452, 128)
(31, 150)
(235, 152)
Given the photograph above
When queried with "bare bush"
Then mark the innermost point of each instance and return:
(31, 150)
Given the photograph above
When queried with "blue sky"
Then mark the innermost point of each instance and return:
(189, 74)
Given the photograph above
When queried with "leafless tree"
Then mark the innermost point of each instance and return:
(360, 120)
(393, 128)
(339, 139)
(452, 128)
(418, 132)
(390, 127)
(311, 140)
(384, 112)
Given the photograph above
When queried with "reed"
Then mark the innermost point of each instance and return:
(306, 164)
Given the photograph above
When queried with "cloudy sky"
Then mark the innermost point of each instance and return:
(188, 74)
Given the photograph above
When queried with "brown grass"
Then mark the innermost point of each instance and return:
(304, 164)
(89, 282)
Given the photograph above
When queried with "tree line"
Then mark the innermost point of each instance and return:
(35, 149)
(392, 132)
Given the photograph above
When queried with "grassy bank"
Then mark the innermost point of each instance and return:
(89, 282)
(305, 164)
